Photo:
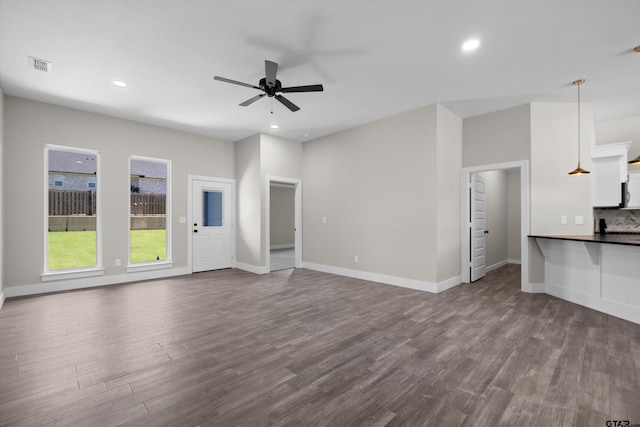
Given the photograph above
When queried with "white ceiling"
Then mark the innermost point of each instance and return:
(375, 58)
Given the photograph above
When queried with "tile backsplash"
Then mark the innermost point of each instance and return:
(618, 220)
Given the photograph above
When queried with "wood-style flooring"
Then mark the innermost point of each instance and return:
(303, 348)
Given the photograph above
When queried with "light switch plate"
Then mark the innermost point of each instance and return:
(324, 219)
(183, 220)
(579, 220)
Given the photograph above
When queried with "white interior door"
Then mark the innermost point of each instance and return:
(212, 225)
(478, 228)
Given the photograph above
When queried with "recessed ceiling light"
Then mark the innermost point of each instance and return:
(274, 126)
(470, 45)
(120, 83)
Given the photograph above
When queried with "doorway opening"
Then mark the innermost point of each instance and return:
(490, 237)
(283, 223)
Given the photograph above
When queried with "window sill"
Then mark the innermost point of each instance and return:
(71, 274)
(148, 266)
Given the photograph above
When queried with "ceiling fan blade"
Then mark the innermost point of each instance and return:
(290, 105)
(308, 88)
(270, 69)
(235, 82)
(252, 100)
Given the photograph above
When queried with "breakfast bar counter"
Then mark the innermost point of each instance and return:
(599, 271)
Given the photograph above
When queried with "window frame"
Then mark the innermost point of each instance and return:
(55, 181)
(168, 261)
(77, 272)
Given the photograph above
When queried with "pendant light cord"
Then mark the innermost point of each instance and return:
(579, 122)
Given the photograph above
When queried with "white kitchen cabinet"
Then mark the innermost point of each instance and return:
(609, 171)
(633, 190)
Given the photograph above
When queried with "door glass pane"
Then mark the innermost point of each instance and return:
(212, 203)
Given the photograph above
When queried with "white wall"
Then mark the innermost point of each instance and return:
(249, 205)
(282, 158)
(449, 209)
(282, 209)
(554, 152)
(499, 137)
(621, 130)
(377, 186)
(497, 216)
(2, 201)
(29, 125)
(513, 216)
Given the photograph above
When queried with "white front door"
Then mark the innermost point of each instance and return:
(478, 228)
(212, 225)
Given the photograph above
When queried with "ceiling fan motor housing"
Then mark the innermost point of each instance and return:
(270, 90)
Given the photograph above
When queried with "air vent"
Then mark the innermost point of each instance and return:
(39, 64)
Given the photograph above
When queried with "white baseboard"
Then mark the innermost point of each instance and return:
(497, 265)
(255, 269)
(536, 288)
(514, 261)
(91, 282)
(1, 299)
(285, 246)
(386, 279)
(449, 283)
(612, 308)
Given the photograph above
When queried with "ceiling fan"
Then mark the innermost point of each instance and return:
(272, 87)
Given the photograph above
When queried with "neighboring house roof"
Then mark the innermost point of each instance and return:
(66, 161)
(148, 169)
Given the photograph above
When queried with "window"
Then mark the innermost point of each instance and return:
(72, 216)
(149, 224)
(212, 206)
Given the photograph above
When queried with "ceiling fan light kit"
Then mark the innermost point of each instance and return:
(272, 87)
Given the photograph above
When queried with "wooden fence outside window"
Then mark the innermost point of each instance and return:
(64, 202)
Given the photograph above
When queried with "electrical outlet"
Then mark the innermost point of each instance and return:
(118, 262)
(182, 220)
(355, 259)
(563, 219)
(324, 219)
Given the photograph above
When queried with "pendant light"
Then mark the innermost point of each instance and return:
(636, 161)
(578, 171)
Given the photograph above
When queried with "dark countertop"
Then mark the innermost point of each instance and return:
(616, 239)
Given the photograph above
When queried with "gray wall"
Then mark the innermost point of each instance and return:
(378, 187)
(282, 209)
(29, 125)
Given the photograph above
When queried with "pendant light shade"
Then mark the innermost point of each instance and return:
(635, 162)
(578, 171)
